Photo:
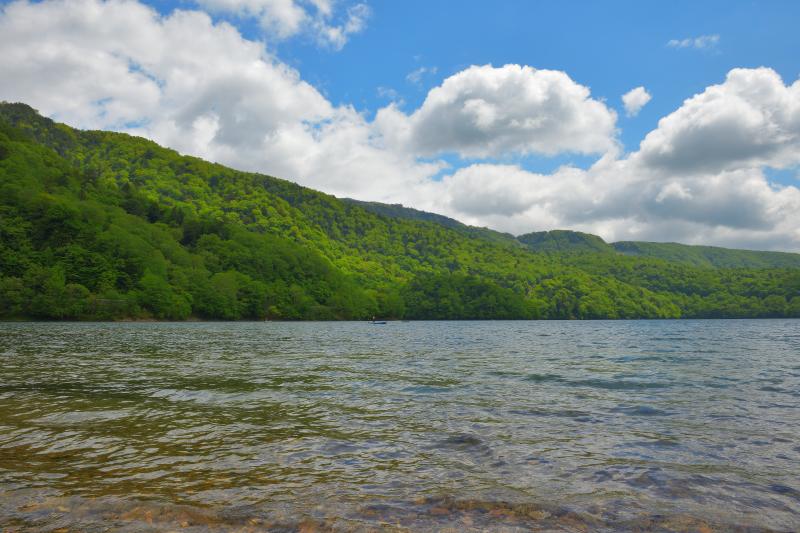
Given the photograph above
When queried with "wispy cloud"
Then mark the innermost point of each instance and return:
(390, 94)
(703, 42)
(282, 19)
(416, 76)
(387, 92)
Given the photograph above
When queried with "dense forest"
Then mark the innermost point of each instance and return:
(102, 225)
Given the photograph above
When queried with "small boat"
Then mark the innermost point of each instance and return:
(378, 322)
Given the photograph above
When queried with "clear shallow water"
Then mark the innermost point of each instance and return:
(558, 426)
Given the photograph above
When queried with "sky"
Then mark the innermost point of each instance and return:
(661, 121)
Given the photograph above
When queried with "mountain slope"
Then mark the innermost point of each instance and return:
(567, 241)
(105, 225)
(408, 213)
(564, 241)
(708, 256)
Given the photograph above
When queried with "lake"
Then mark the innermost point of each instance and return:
(687, 425)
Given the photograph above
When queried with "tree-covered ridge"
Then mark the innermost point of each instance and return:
(567, 241)
(409, 213)
(708, 256)
(400, 211)
(703, 292)
(102, 225)
(564, 241)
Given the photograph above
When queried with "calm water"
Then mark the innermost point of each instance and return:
(562, 426)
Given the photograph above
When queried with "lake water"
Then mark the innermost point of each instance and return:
(513, 426)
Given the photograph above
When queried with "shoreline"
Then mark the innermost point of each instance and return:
(197, 320)
(424, 513)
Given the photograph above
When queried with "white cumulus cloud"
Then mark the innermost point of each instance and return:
(634, 100)
(750, 120)
(622, 200)
(485, 110)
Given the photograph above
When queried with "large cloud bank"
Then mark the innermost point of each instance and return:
(203, 89)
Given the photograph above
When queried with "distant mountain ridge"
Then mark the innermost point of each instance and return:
(564, 241)
(401, 211)
(569, 241)
(104, 226)
(709, 256)
(696, 255)
(409, 213)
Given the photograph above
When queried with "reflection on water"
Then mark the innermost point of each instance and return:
(552, 426)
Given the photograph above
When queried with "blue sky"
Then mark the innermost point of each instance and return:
(500, 114)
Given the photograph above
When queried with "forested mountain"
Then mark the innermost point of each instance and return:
(703, 256)
(102, 225)
(564, 241)
(408, 213)
(708, 256)
(400, 211)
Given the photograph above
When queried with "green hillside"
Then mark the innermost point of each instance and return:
(400, 211)
(102, 225)
(564, 241)
(408, 213)
(567, 241)
(708, 256)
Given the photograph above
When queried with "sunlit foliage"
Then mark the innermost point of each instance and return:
(100, 225)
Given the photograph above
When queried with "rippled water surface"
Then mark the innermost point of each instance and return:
(557, 426)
